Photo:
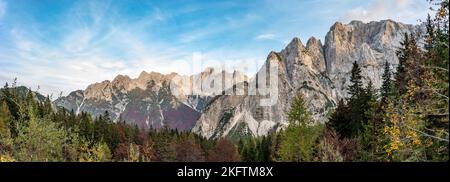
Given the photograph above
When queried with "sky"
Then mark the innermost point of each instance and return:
(58, 46)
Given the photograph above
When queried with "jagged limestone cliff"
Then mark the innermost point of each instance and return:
(319, 72)
(147, 100)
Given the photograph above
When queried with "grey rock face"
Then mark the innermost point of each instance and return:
(369, 44)
(319, 72)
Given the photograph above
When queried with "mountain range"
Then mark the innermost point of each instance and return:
(319, 71)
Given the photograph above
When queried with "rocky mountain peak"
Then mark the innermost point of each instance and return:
(100, 90)
(337, 26)
(295, 46)
(121, 82)
(77, 93)
(315, 59)
(356, 22)
(122, 78)
(144, 76)
(297, 55)
(273, 56)
(313, 43)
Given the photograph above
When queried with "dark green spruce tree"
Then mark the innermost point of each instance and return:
(355, 104)
(386, 87)
(339, 119)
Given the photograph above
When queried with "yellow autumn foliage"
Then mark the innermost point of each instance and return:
(6, 158)
(402, 126)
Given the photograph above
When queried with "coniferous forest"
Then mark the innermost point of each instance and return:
(407, 119)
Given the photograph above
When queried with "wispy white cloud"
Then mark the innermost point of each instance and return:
(78, 40)
(221, 27)
(407, 11)
(93, 49)
(195, 35)
(160, 15)
(266, 36)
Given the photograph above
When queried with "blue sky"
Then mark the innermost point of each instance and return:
(64, 45)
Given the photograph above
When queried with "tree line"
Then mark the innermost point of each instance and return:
(31, 129)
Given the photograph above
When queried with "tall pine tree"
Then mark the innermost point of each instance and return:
(339, 119)
(403, 55)
(356, 102)
(300, 136)
(386, 87)
(356, 86)
(5, 120)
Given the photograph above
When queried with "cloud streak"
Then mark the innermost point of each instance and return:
(408, 11)
(267, 36)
